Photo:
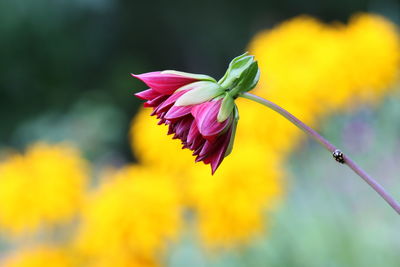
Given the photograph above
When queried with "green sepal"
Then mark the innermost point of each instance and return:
(200, 77)
(248, 80)
(235, 70)
(226, 108)
(200, 92)
(234, 126)
(233, 61)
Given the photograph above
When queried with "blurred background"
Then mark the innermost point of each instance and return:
(87, 178)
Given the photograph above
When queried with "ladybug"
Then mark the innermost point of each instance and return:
(338, 156)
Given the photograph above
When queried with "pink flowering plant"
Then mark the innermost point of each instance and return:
(202, 113)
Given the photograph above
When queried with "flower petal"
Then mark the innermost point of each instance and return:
(155, 101)
(193, 133)
(148, 94)
(206, 118)
(175, 113)
(201, 92)
(170, 101)
(200, 77)
(215, 158)
(183, 127)
(208, 147)
(163, 83)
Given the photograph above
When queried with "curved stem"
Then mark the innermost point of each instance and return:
(331, 148)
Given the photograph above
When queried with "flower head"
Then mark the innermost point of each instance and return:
(200, 111)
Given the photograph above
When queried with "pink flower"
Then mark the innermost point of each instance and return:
(191, 105)
(200, 111)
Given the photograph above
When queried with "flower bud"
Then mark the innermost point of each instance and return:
(242, 75)
(248, 80)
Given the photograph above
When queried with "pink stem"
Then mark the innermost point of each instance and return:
(331, 148)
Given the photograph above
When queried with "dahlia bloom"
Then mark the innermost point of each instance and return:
(200, 111)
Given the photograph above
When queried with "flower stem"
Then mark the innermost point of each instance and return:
(331, 148)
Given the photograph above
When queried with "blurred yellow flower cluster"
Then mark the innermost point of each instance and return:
(230, 204)
(44, 186)
(313, 68)
(129, 216)
(127, 220)
(38, 257)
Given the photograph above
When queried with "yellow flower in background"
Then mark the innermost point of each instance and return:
(231, 204)
(133, 215)
(152, 146)
(121, 259)
(374, 55)
(154, 149)
(218, 202)
(42, 187)
(267, 129)
(39, 257)
(312, 68)
(294, 59)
